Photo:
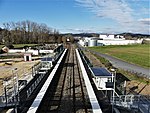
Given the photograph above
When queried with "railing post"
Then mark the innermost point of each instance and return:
(5, 94)
(149, 109)
(138, 103)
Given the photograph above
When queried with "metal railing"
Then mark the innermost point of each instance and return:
(10, 97)
(138, 102)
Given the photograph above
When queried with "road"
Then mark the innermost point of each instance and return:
(124, 65)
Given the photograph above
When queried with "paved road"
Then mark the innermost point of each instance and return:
(124, 65)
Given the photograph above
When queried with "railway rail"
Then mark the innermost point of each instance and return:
(67, 92)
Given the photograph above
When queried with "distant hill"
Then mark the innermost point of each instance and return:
(135, 35)
(126, 35)
(83, 34)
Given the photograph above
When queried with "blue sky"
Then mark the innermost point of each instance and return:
(76, 16)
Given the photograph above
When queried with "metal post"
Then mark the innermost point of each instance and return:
(114, 79)
(15, 99)
(5, 90)
(139, 102)
(112, 101)
(18, 99)
(5, 95)
(148, 108)
(125, 83)
(106, 93)
(32, 71)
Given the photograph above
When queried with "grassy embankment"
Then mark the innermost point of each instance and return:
(136, 54)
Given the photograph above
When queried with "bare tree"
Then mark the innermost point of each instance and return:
(29, 32)
(64, 39)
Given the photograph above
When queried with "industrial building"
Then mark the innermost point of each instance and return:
(106, 39)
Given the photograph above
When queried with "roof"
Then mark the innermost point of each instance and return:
(101, 72)
(47, 59)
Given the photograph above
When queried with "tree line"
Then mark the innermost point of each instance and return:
(28, 32)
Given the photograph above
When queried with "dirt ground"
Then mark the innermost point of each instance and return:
(133, 86)
(138, 88)
(11, 67)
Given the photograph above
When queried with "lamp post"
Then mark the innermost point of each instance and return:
(114, 85)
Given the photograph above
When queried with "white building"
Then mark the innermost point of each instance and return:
(27, 56)
(102, 78)
(106, 36)
(107, 40)
(119, 42)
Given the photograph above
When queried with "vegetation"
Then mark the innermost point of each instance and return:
(1, 46)
(19, 45)
(129, 75)
(137, 54)
(22, 45)
(27, 32)
(134, 76)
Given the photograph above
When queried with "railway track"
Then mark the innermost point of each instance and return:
(67, 92)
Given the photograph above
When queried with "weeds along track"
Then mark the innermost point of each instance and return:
(67, 92)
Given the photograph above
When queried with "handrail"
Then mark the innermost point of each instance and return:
(135, 101)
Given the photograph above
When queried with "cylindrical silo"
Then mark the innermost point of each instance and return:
(92, 42)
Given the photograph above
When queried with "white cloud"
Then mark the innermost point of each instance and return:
(77, 30)
(117, 10)
(114, 9)
(145, 21)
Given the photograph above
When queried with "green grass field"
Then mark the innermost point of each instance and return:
(136, 54)
(20, 45)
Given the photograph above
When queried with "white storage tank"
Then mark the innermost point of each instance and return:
(92, 42)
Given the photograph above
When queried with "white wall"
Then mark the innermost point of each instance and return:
(81, 42)
(112, 41)
(101, 82)
(16, 51)
(34, 52)
(106, 36)
(46, 51)
(119, 42)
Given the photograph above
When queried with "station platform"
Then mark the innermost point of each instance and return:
(91, 94)
(93, 100)
(33, 108)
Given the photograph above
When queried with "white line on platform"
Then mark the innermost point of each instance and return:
(42, 92)
(93, 100)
